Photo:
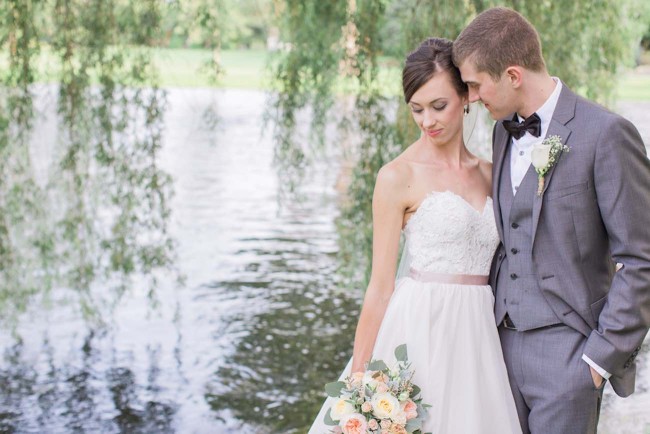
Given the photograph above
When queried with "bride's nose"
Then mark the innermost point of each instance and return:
(429, 119)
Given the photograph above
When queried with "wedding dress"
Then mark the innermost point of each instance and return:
(443, 310)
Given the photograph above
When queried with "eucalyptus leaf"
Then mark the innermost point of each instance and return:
(328, 418)
(334, 389)
(401, 354)
(413, 425)
(377, 365)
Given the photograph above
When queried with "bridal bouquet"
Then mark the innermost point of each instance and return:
(383, 400)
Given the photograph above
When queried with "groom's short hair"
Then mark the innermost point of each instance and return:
(498, 38)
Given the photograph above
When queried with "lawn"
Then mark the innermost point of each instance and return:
(187, 68)
(635, 86)
(249, 69)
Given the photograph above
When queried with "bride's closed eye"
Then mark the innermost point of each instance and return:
(438, 108)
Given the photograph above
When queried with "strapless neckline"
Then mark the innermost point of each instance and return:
(435, 193)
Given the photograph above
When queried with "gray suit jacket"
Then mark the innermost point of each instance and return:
(594, 213)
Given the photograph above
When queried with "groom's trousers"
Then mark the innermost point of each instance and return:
(552, 385)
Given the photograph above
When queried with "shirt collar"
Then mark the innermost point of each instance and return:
(545, 112)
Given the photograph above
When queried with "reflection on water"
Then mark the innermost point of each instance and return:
(263, 321)
(246, 346)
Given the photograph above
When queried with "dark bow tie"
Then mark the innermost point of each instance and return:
(532, 124)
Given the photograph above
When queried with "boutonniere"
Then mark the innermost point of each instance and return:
(545, 156)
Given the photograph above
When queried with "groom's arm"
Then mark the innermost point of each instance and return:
(622, 183)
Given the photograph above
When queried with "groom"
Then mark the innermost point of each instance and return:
(568, 321)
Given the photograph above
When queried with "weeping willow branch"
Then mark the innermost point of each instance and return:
(103, 214)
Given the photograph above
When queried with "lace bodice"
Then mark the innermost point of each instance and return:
(447, 235)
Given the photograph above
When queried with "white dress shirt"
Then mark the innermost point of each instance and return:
(520, 161)
(520, 155)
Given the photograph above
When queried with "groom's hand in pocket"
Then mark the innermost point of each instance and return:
(596, 377)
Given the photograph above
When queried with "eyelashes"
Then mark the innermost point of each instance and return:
(438, 109)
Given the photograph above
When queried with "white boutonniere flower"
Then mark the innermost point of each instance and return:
(545, 155)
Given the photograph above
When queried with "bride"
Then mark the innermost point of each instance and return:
(437, 193)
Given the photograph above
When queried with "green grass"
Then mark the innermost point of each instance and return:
(179, 67)
(249, 69)
(634, 87)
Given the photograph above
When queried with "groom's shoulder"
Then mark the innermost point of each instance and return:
(600, 125)
(596, 113)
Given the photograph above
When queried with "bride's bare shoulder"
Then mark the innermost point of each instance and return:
(395, 175)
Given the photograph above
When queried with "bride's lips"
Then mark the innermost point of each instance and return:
(433, 133)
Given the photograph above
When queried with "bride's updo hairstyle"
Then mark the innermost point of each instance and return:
(433, 56)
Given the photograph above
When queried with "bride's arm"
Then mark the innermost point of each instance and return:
(388, 205)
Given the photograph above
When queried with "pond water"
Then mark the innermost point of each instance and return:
(261, 323)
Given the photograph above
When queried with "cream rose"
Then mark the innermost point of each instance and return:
(385, 405)
(341, 408)
(366, 407)
(540, 155)
(354, 424)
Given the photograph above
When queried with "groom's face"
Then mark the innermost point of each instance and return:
(495, 95)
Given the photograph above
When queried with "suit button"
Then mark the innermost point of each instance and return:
(514, 251)
(513, 276)
(500, 256)
(514, 226)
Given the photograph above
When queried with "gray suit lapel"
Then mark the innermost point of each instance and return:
(501, 141)
(564, 112)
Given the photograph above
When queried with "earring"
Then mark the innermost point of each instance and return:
(466, 109)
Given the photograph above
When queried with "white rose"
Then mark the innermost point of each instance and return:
(341, 408)
(385, 405)
(368, 380)
(540, 155)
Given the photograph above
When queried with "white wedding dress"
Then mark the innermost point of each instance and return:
(449, 328)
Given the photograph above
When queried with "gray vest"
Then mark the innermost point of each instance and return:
(517, 291)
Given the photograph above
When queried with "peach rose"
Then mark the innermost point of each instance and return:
(382, 387)
(366, 407)
(356, 379)
(397, 429)
(410, 409)
(373, 425)
(385, 424)
(354, 424)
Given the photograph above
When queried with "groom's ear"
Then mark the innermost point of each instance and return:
(514, 76)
